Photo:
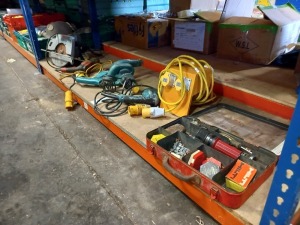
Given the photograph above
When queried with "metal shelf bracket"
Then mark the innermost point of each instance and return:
(284, 193)
(31, 31)
(94, 24)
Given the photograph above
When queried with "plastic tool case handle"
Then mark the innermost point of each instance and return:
(188, 178)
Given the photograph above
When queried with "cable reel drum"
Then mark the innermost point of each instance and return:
(184, 82)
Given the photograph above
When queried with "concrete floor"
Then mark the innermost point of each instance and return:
(64, 167)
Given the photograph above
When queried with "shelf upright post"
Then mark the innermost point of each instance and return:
(31, 31)
(94, 24)
(297, 74)
(145, 6)
(284, 193)
(37, 6)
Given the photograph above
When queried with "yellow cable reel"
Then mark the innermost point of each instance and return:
(184, 82)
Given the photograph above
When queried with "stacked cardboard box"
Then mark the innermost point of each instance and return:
(142, 31)
(201, 32)
(231, 33)
(199, 35)
(176, 6)
(259, 41)
(236, 34)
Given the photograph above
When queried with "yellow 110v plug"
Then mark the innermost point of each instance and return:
(68, 100)
(153, 112)
(136, 110)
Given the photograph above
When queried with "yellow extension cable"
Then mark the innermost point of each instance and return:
(206, 82)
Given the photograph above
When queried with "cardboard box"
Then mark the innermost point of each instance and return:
(240, 176)
(259, 41)
(203, 5)
(199, 36)
(142, 31)
(202, 35)
(239, 8)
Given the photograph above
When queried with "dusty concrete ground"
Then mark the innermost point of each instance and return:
(64, 167)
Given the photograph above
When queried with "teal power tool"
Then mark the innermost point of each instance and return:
(116, 104)
(148, 96)
(120, 72)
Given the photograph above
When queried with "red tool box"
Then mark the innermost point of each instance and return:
(222, 150)
(17, 22)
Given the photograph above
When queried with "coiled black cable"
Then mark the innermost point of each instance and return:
(108, 105)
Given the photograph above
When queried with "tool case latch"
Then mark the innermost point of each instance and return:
(214, 193)
(151, 150)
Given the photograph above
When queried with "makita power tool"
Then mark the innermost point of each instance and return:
(120, 72)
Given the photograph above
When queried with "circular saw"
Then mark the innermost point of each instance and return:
(60, 50)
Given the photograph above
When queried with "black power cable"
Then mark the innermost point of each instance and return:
(109, 101)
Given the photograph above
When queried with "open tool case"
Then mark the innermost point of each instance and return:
(248, 139)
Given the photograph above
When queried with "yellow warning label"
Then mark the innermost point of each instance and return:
(263, 2)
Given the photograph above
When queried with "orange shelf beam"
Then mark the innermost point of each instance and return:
(30, 57)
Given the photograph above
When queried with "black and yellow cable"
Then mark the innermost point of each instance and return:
(206, 81)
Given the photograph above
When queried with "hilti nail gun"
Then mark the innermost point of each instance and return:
(119, 72)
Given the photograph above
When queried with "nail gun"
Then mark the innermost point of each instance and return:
(119, 72)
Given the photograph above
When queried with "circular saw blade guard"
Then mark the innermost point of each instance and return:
(61, 50)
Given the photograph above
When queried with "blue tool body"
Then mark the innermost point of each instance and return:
(118, 73)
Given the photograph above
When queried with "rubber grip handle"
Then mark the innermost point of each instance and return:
(88, 80)
(137, 99)
(226, 149)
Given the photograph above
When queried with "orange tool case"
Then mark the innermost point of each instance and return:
(222, 150)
